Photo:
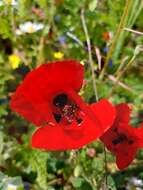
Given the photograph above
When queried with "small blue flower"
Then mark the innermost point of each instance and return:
(105, 49)
(27, 186)
(4, 101)
(57, 18)
(23, 69)
(62, 39)
(110, 63)
(74, 38)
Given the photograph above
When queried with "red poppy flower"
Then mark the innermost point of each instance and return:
(48, 98)
(122, 139)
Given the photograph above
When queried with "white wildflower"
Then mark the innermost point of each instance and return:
(29, 27)
(8, 2)
(11, 187)
(134, 183)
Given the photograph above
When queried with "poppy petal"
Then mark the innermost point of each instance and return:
(105, 112)
(123, 142)
(75, 136)
(123, 113)
(125, 156)
(20, 104)
(66, 138)
(107, 138)
(139, 134)
(58, 73)
(126, 152)
(122, 139)
(53, 138)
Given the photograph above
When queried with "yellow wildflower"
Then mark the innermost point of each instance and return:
(14, 61)
(58, 55)
(10, 2)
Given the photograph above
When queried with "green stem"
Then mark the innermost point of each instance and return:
(120, 74)
(106, 169)
(117, 34)
(89, 52)
(40, 53)
(135, 10)
(93, 79)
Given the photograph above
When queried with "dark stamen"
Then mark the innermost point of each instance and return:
(57, 117)
(60, 100)
(79, 120)
(66, 109)
(119, 139)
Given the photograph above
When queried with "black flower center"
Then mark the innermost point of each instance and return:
(121, 138)
(60, 100)
(66, 109)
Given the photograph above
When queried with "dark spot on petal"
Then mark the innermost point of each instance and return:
(60, 100)
(120, 138)
(130, 142)
(57, 117)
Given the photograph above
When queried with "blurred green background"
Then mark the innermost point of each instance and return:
(39, 31)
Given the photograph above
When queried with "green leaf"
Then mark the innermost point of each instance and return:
(24, 8)
(39, 163)
(81, 184)
(42, 3)
(111, 183)
(5, 28)
(86, 186)
(77, 182)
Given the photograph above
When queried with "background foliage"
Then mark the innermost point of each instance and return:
(62, 36)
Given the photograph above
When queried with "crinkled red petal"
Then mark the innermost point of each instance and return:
(61, 73)
(74, 136)
(139, 134)
(124, 151)
(123, 114)
(105, 112)
(125, 156)
(65, 138)
(24, 107)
